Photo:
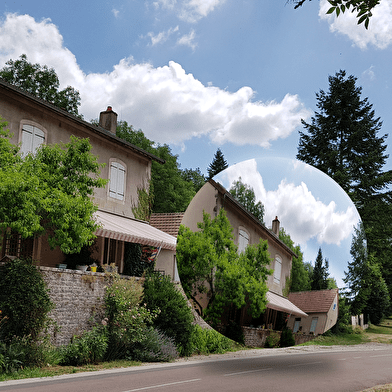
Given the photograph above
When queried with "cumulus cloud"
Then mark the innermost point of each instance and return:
(379, 33)
(115, 12)
(190, 10)
(302, 215)
(168, 104)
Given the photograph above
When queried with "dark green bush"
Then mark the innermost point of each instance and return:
(10, 358)
(175, 317)
(24, 300)
(234, 332)
(90, 347)
(155, 347)
(286, 338)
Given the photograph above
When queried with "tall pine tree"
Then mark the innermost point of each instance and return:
(342, 141)
(320, 273)
(217, 165)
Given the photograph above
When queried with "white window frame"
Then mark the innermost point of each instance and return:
(117, 180)
(277, 269)
(32, 136)
(243, 240)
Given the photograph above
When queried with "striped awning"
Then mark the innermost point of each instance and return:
(130, 230)
(282, 304)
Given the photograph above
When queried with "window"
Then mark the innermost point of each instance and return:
(297, 322)
(243, 240)
(277, 269)
(14, 245)
(117, 181)
(32, 138)
(313, 325)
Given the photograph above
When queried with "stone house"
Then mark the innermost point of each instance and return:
(322, 307)
(246, 230)
(33, 122)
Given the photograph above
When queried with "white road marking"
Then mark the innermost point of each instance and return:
(163, 385)
(247, 371)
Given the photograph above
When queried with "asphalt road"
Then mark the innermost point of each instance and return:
(349, 369)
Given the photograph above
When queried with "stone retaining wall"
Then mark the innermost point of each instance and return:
(256, 337)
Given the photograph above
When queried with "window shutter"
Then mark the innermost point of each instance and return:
(117, 181)
(277, 269)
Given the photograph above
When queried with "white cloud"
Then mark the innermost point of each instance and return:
(300, 213)
(168, 104)
(188, 40)
(379, 33)
(163, 36)
(115, 12)
(190, 10)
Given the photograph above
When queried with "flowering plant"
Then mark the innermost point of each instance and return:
(126, 318)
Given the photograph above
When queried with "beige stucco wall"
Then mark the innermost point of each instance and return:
(210, 200)
(58, 128)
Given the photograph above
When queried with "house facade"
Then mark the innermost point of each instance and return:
(247, 230)
(322, 307)
(33, 122)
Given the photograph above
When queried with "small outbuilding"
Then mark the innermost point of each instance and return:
(321, 306)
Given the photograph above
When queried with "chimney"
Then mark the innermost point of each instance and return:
(275, 226)
(108, 120)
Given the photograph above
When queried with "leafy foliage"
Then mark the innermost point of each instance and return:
(24, 300)
(363, 8)
(174, 316)
(245, 195)
(42, 82)
(209, 264)
(217, 165)
(209, 341)
(50, 192)
(300, 277)
(195, 176)
(171, 190)
(90, 347)
(154, 347)
(126, 319)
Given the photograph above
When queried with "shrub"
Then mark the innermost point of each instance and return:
(234, 332)
(10, 358)
(272, 340)
(90, 347)
(174, 316)
(126, 319)
(24, 300)
(209, 341)
(286, 338)
(154, 347)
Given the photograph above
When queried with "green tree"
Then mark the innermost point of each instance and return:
(50, 192)
(366, 286)
(209, 264)
(195, 176)
(245, 195)
(320, 273)
(300, 278)
(342, 141)
(42, 82)
(363, 8)
(170, 190)
(217, 165)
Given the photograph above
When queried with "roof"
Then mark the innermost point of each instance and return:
(92, 128)
(317, 301)
(228, 196)
(282, 304)
(131, 230)
(167, 222)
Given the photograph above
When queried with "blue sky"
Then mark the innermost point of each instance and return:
(203, 74)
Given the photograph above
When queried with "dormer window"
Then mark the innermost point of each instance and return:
(32, 138)
(117, 181)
